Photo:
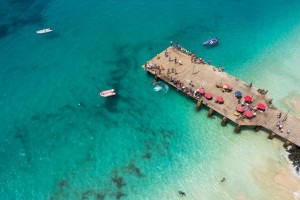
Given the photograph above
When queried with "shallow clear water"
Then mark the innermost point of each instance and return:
(60, 140)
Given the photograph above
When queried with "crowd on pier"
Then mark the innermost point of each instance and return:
(194, 58)
(248, 110)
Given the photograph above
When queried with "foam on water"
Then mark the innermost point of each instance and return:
(161, 87)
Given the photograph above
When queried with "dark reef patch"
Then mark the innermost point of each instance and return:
(22, 13)
(119, 195)
(124, 60)
(132, 168)
(118, 181)
(100, 196)
(147, 156)
(86, 194)
(63, 183)
(294, 156)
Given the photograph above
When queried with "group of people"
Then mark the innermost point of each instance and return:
(262, 91)
(191, 83)
(180, 48)
(187, 90)
(172, 70)
(219, 68)
(167, 54)
(280, 125)
(154, 66)
(247, 106)
(196, 60)
(151, 66)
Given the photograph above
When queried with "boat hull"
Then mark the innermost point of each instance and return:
(211, 42)
(43, 31)
(108, 93)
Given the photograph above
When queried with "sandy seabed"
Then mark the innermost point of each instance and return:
(293, 102)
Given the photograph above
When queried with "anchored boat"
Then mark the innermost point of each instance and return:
(46, 30)
(108, 93)
(211, 42)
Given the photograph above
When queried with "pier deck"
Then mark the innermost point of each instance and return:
(205, 75)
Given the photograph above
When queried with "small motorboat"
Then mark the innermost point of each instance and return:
(211, 42)
(108, 93)
(46, 30)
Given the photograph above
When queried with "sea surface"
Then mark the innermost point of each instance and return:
(60, 140)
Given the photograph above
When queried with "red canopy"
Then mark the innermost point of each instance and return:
(227, 87)
(240, 108)
(220, 99)
(248, 113)
(208, 95)
(201, 91)
(261, 106)
(248, 98)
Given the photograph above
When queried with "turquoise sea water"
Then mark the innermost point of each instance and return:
(60, 140)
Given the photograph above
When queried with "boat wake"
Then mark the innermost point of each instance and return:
(161, 87)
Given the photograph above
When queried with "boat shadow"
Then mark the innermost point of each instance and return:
(212, 46)
(52, 35)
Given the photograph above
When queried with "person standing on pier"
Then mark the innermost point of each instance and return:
(171, 43)
(166, 53)
(279, 115)
(269, 101)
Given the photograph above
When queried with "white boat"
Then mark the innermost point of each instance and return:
(46, 30)
(108, 93)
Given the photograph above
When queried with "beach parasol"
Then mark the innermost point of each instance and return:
(240, 108)
(220, 99)
(248, 113)
(248, 98)
(238, 94)
(201, 91)
(227, 87)
(208, 96)
(261, 106)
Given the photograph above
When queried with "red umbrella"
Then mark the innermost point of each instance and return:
(240, 108)
(227, 87)
(261, 106)
(220, 99)
(208, 95)
(248, 98)
(201, 91)
(248, 113)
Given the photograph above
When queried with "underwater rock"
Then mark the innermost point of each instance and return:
(294, 156)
